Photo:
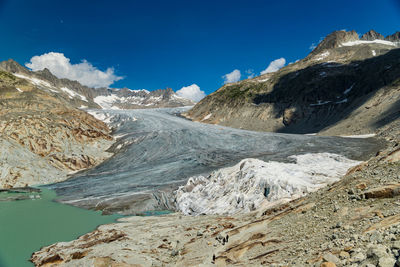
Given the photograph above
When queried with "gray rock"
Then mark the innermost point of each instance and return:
(396, 245)
(386, 262)
(371, 36)
(331, 258)
(358, 257)
(376, 237)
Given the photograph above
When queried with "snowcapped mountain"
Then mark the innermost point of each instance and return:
(131, 99)
(82, 96)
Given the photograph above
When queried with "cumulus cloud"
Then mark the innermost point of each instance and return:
(315, 44)
(250, 73)
(232, 77)
(83, 72)
(274, 65)
(191, 92)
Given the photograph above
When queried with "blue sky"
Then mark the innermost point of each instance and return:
(159, 44)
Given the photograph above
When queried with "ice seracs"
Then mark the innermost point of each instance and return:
(252, 182)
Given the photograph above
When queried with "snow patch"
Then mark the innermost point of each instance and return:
(360, 136)
(71, 94)
(263, 80)
(108, 118)
(19, 90)
(322, 56)
(33, 80)
(106, 101)
(360, 42)
(373, 53)
(207, 117)
(109, 101)
(252, 182)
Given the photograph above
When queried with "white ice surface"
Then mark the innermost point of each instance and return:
(207, 117)
(360, 136)
(107, 117)
(109, 101)
(322, 56)
(359, 42)
(71, 94)
(33, 80)
(241, 188)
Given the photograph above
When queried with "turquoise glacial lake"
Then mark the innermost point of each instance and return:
(27, 225)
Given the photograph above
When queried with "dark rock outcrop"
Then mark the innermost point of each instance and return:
(334, 40)
(372, 35)
(394, 37)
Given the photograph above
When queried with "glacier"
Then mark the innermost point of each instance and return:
(253, 182)
(157, 151)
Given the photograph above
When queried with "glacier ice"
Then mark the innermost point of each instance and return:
(251, 182)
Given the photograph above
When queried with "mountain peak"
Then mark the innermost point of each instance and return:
(334, 39)
(46, 74)
(394, 37)
(371, 36)
(12, 66)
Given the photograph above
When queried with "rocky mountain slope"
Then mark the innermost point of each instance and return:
(346, 85)
(43, 137)
(85, 97)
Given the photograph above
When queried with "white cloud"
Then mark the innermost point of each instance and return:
(191, 92)
(315, 44)
(83, 72)
(274, 65)
(312, 46)
(232, 77)
(250, 73)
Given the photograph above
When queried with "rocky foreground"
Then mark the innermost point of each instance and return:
(353, 222)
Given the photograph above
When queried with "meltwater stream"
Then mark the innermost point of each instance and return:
(157, 150)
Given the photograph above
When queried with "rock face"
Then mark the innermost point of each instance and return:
(84, 97)
(345, 86)
(43, 137)
(394, 37)
(372, 35)
(335, 39)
